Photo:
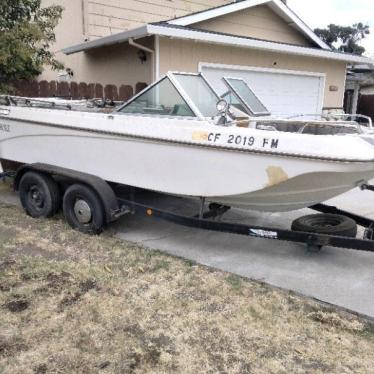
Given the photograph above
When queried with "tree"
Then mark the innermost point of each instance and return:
(345, 38)
(26, 34)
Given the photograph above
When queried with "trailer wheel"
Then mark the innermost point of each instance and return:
(83, 209)
(330, 224)
(39, 194)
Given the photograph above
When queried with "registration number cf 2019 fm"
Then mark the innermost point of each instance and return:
(245, 141)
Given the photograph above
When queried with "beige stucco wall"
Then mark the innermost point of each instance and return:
(258, 22)
(118, 64)
(110, 16)
(69, 31)
(185, 55)
(88, 19)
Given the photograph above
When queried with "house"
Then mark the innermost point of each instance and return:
(131, 43)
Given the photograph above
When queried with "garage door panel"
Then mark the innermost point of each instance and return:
(282, 93)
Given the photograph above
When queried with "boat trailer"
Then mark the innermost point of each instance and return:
(207, 220)
(117, 204)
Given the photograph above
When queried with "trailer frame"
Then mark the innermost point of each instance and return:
(205, 221)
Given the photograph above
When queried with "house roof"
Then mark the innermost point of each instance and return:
(278, 6)
(183, 32)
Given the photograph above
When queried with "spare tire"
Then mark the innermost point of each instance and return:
(330, 224)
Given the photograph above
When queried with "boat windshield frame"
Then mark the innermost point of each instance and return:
(182, 92)
(242, 100)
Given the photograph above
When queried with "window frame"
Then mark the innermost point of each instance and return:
(181, 92)
(242, 100)
(187, 97)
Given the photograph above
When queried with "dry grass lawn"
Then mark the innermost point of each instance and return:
(71, 303)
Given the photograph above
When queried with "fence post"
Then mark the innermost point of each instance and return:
(125, 92)
(99, 91)
(140, 86)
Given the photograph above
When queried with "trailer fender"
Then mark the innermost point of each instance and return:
(100, 186)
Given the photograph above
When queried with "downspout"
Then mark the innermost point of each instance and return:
(140, 46)
(84, 8)
(157, 58)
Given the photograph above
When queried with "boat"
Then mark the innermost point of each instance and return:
(179, 137)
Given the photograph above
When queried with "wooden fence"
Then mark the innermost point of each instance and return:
(76, 90)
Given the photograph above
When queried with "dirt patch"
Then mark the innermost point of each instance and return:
(17, 306)
(41, 369)
(69, 300)
(87, 285)
(7, 264)
(72, 298)
(71, 303)
(10, 345)
(57, 280)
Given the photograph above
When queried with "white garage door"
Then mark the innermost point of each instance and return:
(282, 93)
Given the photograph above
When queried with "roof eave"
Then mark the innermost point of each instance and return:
(216, 38)
(120, 37)
(232, 40)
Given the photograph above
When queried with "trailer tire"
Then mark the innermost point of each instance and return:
(329, 224)
(83, 209)
(39, 194)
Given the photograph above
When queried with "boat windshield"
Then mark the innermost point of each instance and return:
(244, 97)
(199, 91)
(177, 94)
(234, 102)
(161, 99)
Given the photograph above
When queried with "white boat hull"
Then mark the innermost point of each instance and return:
(254, 180)
(196, 171)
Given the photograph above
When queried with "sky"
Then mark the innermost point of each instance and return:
(320, 13)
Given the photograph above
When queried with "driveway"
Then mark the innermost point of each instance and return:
(337, 276)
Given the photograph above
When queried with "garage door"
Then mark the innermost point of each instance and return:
(282, 93)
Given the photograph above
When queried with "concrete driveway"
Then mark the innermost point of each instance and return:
(337, 276)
